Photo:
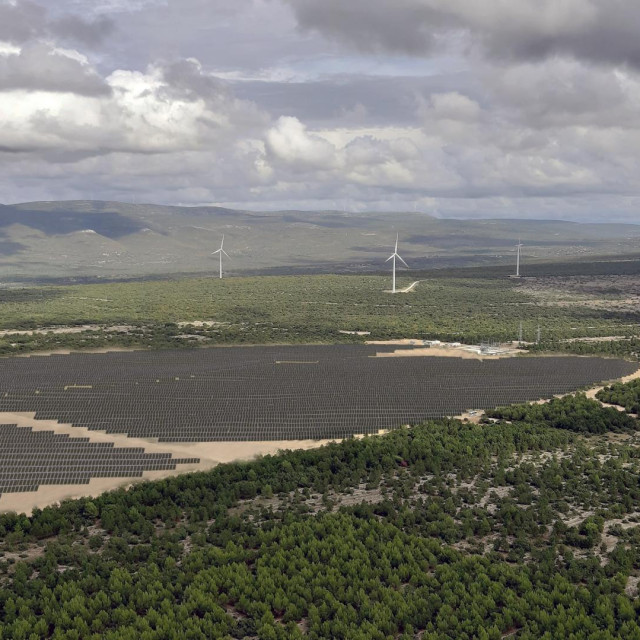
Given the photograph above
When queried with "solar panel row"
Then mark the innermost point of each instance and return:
(29, 459)
(277, 393)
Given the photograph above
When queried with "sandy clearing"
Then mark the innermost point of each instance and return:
(210, 454)
(632, 586)
(610, 540)
(200, 323)
(65, 329)
(473, 415)
(66, 352)
(452, 349)
(412, 286)
(445, 352)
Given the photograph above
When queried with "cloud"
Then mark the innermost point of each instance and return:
(454, 106)
(87, 33)
(38, 67)
(142, 112)
(370, 25)
(501, 107)
(522, 137)
(596, 30)
(288, 143)
(561, 91)
(23, 20)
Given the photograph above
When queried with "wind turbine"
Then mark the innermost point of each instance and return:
(393, 257)
(518, 247)
(221, 251)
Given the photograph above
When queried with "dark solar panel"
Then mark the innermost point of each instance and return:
(29, 459)
(277, 393)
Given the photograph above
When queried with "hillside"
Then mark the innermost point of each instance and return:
(85, 239)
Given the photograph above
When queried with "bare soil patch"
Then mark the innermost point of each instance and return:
(470, 352)
(66, 352)
(66, 330)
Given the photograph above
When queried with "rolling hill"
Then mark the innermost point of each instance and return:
(112, 240)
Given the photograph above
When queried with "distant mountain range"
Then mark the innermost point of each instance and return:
(112, 240)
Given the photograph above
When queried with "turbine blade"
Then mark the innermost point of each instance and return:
(389, 258)
(403, 262)
(213, 253)
(225, 253)
(396, 250)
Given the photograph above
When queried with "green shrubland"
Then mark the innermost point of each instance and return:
(290, 309)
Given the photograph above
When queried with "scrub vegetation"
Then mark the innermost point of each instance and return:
(444, 530)
(465, 305)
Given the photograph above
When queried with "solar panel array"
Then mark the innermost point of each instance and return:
(29, 459)
(277, 392)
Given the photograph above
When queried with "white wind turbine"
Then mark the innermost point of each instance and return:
(518, 247)
(221, 251)
(393, 257)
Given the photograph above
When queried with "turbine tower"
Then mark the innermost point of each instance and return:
(518, 247)
(393, 257)
(220, 251)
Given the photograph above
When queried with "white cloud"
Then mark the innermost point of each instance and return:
(74, 54)
(488, 107)
(6, 49)
(136, 116)
(454, 106)
(40, 66)
(289, 143)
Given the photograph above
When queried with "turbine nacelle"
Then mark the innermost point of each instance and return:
(213, 253)
(396, 255)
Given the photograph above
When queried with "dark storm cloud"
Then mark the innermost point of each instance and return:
(26, 20)
(38, 68)
(602, 31)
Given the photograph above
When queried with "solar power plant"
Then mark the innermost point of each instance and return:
(277, 392)
(29, 459)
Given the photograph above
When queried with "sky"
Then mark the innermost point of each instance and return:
(456, 108)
